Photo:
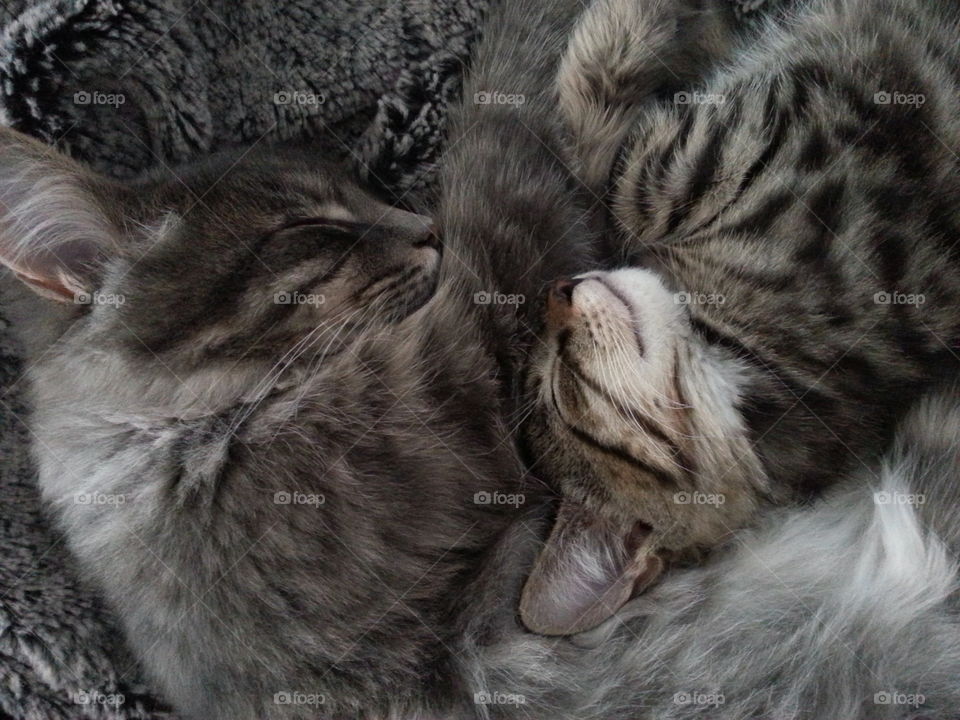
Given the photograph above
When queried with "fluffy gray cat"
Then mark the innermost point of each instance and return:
(273, 427)
(787, 276)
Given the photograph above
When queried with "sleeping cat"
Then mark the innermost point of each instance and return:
(311, 615)
(787, 278)
(272, 424)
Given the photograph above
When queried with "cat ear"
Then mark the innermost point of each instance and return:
(53, 229)
(589, 567)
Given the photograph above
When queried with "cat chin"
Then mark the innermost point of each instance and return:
(628, 311)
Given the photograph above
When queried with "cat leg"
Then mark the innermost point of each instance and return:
(621, 53)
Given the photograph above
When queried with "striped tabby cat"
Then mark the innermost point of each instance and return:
(787, 277)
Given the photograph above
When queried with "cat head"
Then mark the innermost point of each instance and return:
(636, 421)
(272, 254)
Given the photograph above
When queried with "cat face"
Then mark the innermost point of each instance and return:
(636, 421)
(273, 254)
(611, 375)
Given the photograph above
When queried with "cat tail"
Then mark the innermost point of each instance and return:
(623, 52)
(510, 210)
(516, 61)
(848, 608)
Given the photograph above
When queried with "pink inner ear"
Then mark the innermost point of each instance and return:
(55, 273)
(47, 288)
(52, 222)
(589, 567)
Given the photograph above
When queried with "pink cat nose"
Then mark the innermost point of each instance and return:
(562, 290)
(560, 301)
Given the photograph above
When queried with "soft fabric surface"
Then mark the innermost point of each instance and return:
(368, 79)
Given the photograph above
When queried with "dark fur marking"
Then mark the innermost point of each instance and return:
(705, 169)
(762, 218)
(660, 476)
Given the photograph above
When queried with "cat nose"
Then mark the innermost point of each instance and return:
(560, 302)
(430, 239)
(562, 290)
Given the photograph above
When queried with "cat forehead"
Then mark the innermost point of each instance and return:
(243, 203)
(253, 183)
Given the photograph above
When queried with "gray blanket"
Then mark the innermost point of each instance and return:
(129, 84)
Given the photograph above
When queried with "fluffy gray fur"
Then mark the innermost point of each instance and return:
(169, 413)
(846, 609)
(397, 597)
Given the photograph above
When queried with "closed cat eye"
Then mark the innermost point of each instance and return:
(322, 223)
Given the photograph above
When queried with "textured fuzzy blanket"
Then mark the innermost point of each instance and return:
(128, 84)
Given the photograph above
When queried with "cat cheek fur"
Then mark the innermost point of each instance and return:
(652, 414)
